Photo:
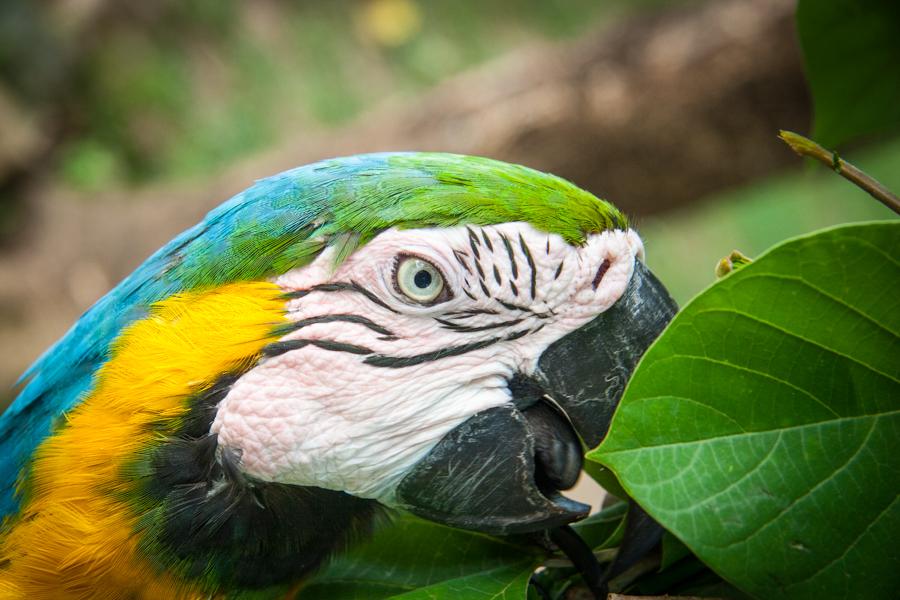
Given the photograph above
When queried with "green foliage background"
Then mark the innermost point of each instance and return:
(852, 51)
(179, 89)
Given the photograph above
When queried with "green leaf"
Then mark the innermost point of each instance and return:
(503, 583)
(606, 479)
(604, 529)
(682, 573)
(852, 51)
(673, 550)
(413, 558)
(761, 428)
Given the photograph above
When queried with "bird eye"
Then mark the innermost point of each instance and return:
(419, 280)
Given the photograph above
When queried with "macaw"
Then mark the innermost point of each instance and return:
(426, 332)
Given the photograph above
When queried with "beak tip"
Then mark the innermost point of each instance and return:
(481, 476)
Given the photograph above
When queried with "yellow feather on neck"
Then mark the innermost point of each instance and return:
(74, 536)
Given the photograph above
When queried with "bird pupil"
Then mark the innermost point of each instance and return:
(422, 279)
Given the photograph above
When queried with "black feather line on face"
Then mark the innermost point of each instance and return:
(398, 362)
(470, 328)
(459, 258)
(531, 265)
(348, 318)
(480, 270)
(525, 309)
(474, 243)
(470, 312)
(276, 348)
(559, 270)
(342, 286)
(487, 240)
(512, 256)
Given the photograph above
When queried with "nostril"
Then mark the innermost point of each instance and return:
(601, 271)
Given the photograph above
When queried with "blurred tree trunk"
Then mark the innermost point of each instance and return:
(650, 113)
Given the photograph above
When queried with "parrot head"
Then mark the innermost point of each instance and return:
(455, 372)
(441, 334)
(456, 363)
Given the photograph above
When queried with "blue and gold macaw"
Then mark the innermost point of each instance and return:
(384, 330)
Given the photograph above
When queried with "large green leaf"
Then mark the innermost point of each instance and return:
(762, 427)
(502, 583)
(852, 50)
(412, 558)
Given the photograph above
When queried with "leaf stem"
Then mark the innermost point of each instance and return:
(582, 558)
(806, 147)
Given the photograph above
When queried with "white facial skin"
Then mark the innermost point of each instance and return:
(350, 416)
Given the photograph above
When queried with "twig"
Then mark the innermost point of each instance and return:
(582, 558)
(539, 588)
(806, 147)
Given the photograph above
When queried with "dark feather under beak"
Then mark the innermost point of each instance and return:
(501, 471)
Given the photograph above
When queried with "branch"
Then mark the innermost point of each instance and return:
(806, 147)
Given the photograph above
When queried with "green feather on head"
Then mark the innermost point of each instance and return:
(347, 201)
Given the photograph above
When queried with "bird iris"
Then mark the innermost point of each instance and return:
(418, 279)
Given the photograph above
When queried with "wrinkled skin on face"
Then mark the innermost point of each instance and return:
(389, 397)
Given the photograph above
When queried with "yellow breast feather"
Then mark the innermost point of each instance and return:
(74, 536)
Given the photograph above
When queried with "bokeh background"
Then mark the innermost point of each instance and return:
(122, 123)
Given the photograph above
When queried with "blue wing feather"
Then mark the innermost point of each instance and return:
(64, 374)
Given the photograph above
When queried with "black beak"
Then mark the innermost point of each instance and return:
(501, 470)
(586, 371)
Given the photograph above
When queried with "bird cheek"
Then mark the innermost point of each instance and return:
(241, 435)
(261, 417)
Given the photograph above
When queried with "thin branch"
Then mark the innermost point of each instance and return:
(575, 548)
(806, 147)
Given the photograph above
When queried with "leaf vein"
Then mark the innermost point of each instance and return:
(810, 491)
(850, 546)
(745, 434)
(819, 290)
(765, 375)
(734, 483)
(799, 337)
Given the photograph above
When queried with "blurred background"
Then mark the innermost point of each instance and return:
(122, 123)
